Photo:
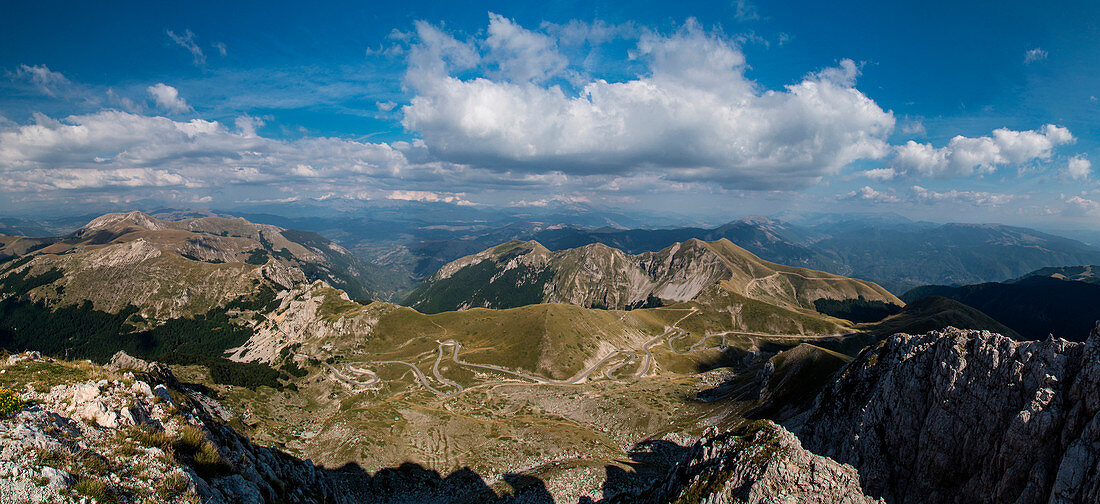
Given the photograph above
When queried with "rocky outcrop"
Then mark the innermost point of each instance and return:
(89, 434)
(757, 463)
(967, 416)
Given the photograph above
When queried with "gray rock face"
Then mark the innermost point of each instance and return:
(108, 431)
(967, 416)
(755, 464)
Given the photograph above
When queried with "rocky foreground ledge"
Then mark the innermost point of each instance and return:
(129, 432)
(967, 416)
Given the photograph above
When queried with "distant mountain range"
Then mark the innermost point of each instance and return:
(896, 255)
(596, 275)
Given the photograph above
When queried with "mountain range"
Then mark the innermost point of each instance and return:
(699, 370)
(595, 275)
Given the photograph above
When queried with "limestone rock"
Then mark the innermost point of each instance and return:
(122, 360)
(967, 416)
(755, 464)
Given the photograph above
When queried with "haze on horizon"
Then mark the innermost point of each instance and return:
(931, 110)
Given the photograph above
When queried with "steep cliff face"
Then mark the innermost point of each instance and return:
(967, 416)
(758, 463)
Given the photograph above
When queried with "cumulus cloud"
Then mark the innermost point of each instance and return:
(920, 195)
(429, 196)
(112, 148)
(46, 80)
(975, 198)
(693, 116)
(1077, 206)
(521, 54)
(879, 174)
(965, 156)
(168, 98)
(1078, 168)
(1033, 55)
(870, 194)
(557, 199)
(187, 41)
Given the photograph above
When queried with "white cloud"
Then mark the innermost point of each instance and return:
(304, 170)
(975, 198)
(694, 116)
(1078, 168)
(385, 106)
(522, 55)
(220, 46)
(965, 156)
(557, 199)
(187, 41)
(247, 125)
(1033, 55)
(921, 195)
(112, 148)
(879, 174)
(869, 194)
(429, 196)
(1077, 206)
(168, 98)
(913, 127)
(46, 80)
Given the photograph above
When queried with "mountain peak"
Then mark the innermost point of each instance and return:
(122, 219)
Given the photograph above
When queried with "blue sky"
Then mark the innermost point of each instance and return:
(982, 112)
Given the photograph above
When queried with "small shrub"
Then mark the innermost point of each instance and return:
(10, 402)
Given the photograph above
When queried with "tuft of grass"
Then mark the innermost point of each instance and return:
(172, 486)
(205, 457)
(94, 489)
(152, 438)
(190, 440)
(209, 461)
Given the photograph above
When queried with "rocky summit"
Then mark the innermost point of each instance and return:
(967, 416)
(131, 432)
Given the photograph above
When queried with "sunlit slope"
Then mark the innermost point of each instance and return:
(176, 268)
(598, 276)
(555, 341)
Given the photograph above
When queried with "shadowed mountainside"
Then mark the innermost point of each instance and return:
(1033, 307)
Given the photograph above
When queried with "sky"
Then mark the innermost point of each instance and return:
(944, 111)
